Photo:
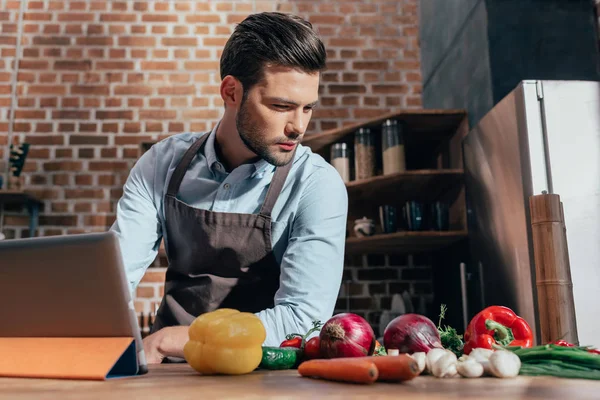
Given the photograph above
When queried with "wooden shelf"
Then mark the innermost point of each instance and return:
(430, 124)
(16, 197)
(419, 185)
(403, 242)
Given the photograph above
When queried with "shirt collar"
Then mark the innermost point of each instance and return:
(258, 169)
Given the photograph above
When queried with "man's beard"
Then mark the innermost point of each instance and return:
(253, 138)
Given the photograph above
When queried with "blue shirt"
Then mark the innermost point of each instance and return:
(308, 228)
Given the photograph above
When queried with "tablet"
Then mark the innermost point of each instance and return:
(66, 286)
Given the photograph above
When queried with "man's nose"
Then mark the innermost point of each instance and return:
(296, 125)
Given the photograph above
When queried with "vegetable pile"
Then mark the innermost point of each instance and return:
(497, 343)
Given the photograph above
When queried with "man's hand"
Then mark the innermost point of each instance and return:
(167, 342)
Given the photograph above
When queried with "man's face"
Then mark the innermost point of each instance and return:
(277, 110)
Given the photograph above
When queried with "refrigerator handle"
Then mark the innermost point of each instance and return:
(463, 290)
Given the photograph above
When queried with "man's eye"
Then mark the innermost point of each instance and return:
(281, 106)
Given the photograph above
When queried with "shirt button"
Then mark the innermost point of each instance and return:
(226, 186)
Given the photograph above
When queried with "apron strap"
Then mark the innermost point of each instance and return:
(183, 165)
(275, 187)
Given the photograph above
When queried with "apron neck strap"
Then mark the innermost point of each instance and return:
(183, 165)
(275, 187)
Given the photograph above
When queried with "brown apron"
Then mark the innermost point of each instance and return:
(216, 259)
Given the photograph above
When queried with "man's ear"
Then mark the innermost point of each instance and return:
(231, 91)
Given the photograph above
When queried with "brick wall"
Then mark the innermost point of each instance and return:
(96, 78)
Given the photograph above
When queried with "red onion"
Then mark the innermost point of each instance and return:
(411, 333)
(347, 335)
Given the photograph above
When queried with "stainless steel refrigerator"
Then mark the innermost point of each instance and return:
(543, 136)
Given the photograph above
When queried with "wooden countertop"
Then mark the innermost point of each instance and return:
(173, 381)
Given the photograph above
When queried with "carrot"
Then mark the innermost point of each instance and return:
(355, 370)
(395, 368)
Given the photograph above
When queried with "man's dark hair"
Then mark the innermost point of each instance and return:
(271, 38)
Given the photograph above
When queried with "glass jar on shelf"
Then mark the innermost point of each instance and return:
(340, 159)
(364, 154)
(392, 146)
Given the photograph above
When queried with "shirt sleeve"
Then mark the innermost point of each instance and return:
(312, 264)
(137, 223)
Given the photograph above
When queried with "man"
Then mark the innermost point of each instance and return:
(251, 219)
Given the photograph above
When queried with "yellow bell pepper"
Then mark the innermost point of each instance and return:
(225, 341)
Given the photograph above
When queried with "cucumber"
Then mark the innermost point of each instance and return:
(275, 358)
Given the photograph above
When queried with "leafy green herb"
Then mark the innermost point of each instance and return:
(451, 340)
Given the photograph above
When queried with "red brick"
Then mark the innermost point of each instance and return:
(37, 16)
(181, 54)
(200, 102)
(30, 114)
(98, 5)
(82, 207)
(137, 41)
(350, 100)
(413, 77)
(44, 139)
(407, 65)
(116, 53)
(90, 90)
(33, 64)
(414, 101)
(117, 30)
(178, 102)
(203, 18)
(181, 30)
(59, 207)
(77, 5)
(63, 166)
(108, 152)
(176, 127)
(159, 18)
(58, 220)
(220, 42)
(119, 5)
(141, 90)
(137, 53)
(157, 114)
(177, 90)
(44, 194)
(88, 127)
(158, 65)
(145, 292)
(106, 180)
(79, 17)
(384, 89)
(153, 126)
(137, 29)
(95, 41)
(83, 65)
(95, 53)
(108, 166)
(70, 114)
(157, 102)
(85, 153)
(180, 41)
(41, 127)
(370, 65)
(66, 127)
(327, 19)
(132, 127)
(115, 65)
(98, 220)
(159, 29)
(84, 193)
(113, 102)
(135, 102)
(30, 102)
(140, 6)
(109, 114)
(39, 154)
(345, 89)
(64, 153)
(88, 140)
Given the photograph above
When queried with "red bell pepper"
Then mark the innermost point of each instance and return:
(497, 325)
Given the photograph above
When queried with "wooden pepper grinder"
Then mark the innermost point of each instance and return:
(552, 270)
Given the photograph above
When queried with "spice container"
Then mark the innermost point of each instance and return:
(341, 160)
(392, 145)
(364, 154)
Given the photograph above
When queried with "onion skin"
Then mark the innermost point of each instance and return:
(411, 333)
(347, 335)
